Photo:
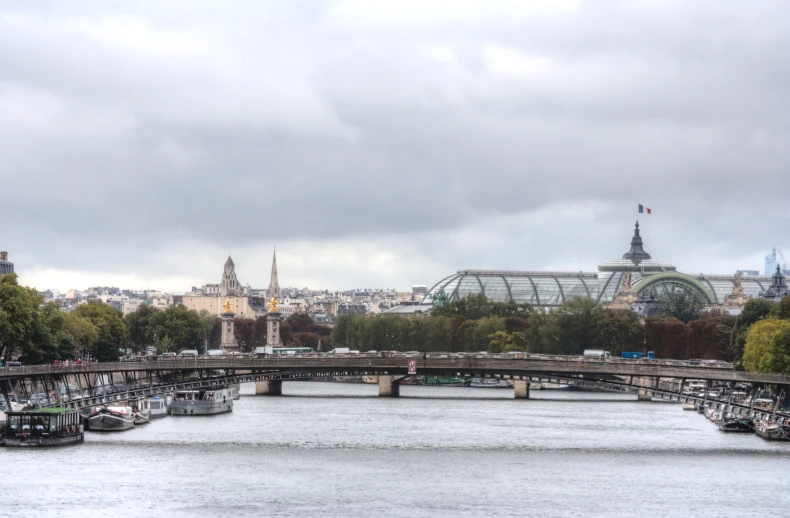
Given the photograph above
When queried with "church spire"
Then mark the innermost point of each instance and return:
(274, 284)
(636, 254)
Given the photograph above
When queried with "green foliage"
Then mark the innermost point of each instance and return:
(477, 306)
(242, 328)
(502, 342)
(143, 325)
(753, 311)
(783, 309)
(113, 331)
(618, 332)
(572, 327)
(18, 315)
(767, 347)
(681, 304)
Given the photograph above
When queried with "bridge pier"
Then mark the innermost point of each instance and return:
(269, 388)
(522, 389)
(642, 396)
(389, 386)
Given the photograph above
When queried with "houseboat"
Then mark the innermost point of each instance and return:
(202, 402)
(488, 383)
(733, 423)
(158, 407)
(111, 418)
(140, 410)
(43, 427)
(772, 431)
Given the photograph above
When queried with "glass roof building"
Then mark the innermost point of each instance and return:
(635, 273)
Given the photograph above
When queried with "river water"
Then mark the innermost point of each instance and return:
(327, 449)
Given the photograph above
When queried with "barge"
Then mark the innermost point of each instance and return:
(45, 427)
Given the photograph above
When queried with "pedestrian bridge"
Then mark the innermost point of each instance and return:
(87, 385)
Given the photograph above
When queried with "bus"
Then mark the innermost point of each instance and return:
(293, 350)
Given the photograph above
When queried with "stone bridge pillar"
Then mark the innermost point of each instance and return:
(269, 388)
(642, 395)
(389, 386)
(522, 389)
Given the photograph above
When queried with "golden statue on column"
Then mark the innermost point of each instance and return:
(273, 305)
(226, 306)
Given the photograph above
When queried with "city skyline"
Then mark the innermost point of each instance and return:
(386, 146)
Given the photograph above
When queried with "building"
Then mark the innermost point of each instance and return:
(778, 289)
(617, 284)
(230, 284)
(419, 291)
(274, 282)
(6, 266)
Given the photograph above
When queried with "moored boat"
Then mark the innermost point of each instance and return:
(554, 386)
(202, 402)
(689, 406)
(43, 427)
(140, 410)
(158, 407)
(111, 418)
(772, 431)
(733, 423)
(488, 383)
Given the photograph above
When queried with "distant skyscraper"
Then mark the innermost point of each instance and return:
(5, 265)
(274, 283)
(770, 262)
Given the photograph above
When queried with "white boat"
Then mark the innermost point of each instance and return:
(554, 386)
(158, 407)
(488, 383)
(234, 393)
(689, 406)
(202, 402)
(141, 411)
(111, 418)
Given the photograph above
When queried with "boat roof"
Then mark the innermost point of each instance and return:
(56, 410)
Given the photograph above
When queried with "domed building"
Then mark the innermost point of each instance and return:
(618, 284)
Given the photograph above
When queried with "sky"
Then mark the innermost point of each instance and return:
(386, 144)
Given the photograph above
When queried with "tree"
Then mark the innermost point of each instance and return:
(242, 329)
(502, 342)
(258, 338)
(618, 331)
(143, 325)
(82, 332)
(113, 331)
(757, 352)
(301, 323)
(183, 329)
(571, 328)
(667, 336)
(753, 311)
(681, 304)
(18, 314)
(709, 337)
(783, 309)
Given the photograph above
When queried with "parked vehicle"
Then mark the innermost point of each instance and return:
(188, 353)
(596, 353)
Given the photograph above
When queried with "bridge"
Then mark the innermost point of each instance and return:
(87, 385)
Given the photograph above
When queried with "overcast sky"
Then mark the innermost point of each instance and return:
(385, 144)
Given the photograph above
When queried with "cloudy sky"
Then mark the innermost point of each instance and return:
(385, 144)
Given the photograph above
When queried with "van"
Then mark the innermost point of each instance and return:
(340, 350)
(213, 352)
(188, 353)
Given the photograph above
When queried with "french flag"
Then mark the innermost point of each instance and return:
(643, 209)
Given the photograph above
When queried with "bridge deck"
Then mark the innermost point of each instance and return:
(480, 365)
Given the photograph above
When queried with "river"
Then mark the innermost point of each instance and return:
(326, 449)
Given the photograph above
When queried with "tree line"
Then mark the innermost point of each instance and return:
(682, 330)
(40, 333)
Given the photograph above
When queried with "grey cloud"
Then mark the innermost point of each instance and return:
(136, 126)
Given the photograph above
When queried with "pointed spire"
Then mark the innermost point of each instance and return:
(229, 263)
(274, 283)
(636, 254)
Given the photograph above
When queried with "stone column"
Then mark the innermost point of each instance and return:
(269, 388)
(273, 330)
(642, 396)
(388, 386)
(228, 342)
(522, 389)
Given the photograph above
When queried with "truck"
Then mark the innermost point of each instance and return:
(651, 355)
(597, 353)
(340, 350)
